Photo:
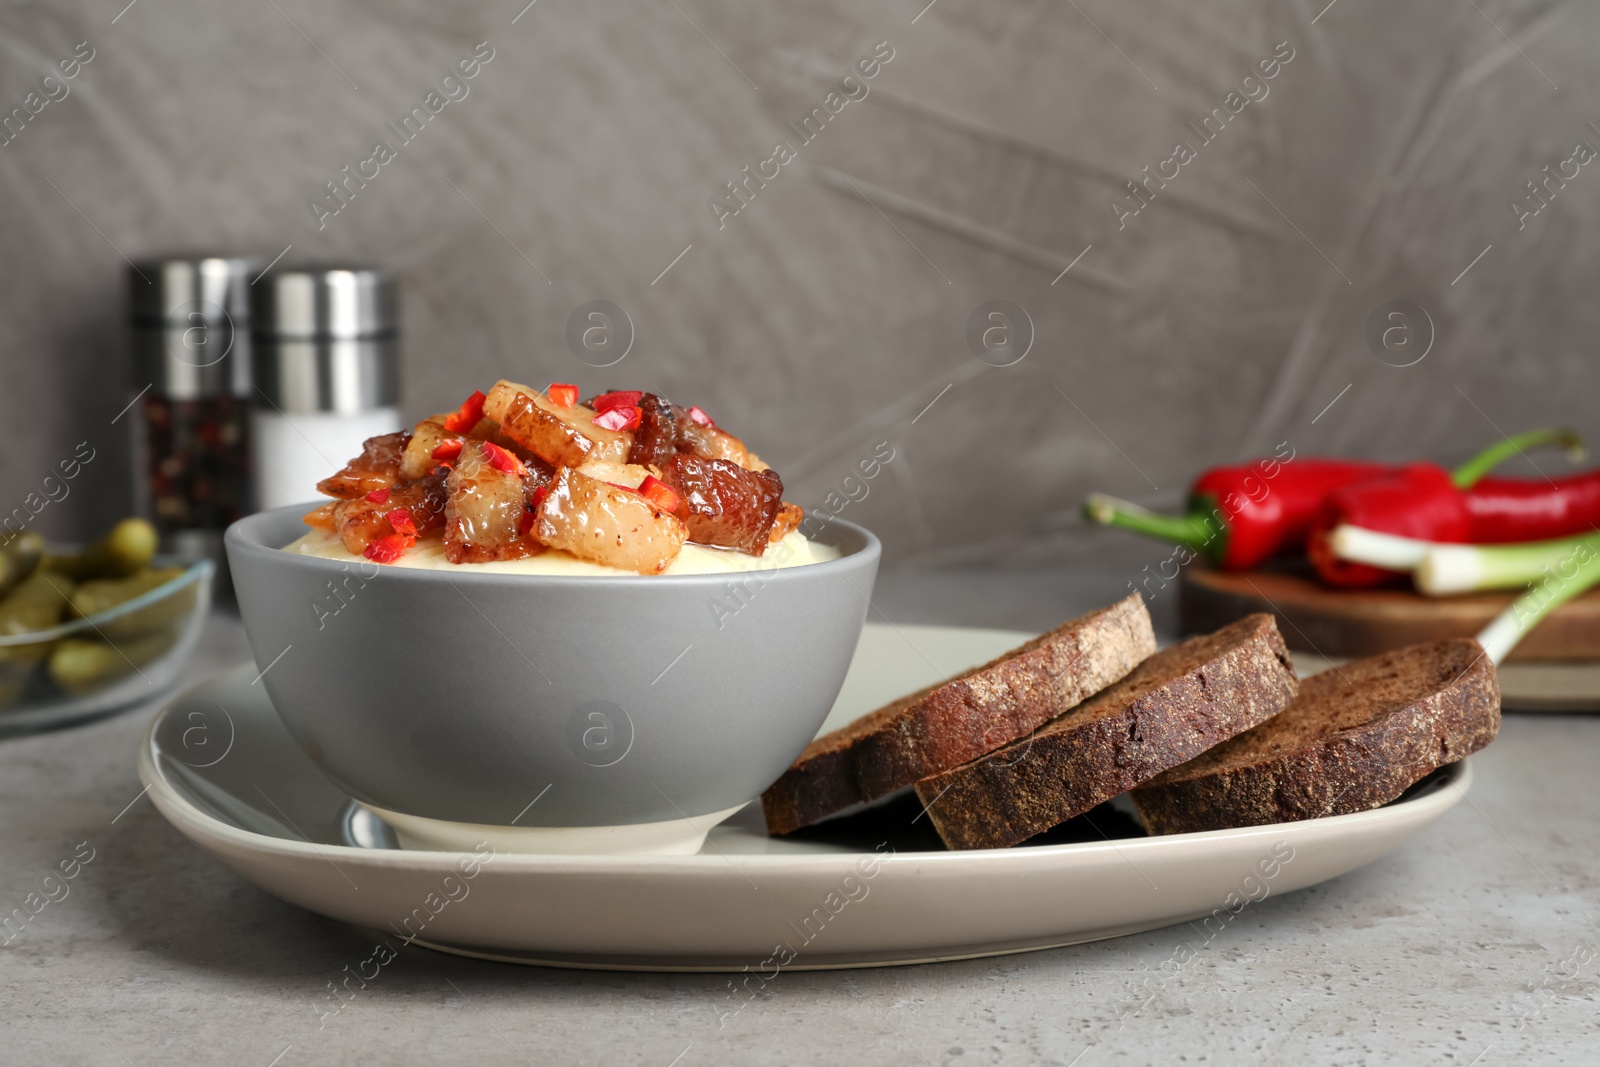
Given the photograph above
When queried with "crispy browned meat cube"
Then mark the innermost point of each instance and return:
(666, 429)
(788, 521)
(322, 517)
(378, 466)
(656, 439)
(360, 520)
(603, 524)
(484, 511)
(724, 504)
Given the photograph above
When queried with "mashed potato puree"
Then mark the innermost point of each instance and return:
(793, 551)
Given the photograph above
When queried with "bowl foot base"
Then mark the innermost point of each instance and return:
(672, 837)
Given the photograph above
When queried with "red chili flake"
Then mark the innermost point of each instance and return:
(538, 496)
(620, 418)
(525, 523)
(659, 493)
(400, 519)
(378, 496)
(620, 398)
(386, 549)
(624, 488)
(696, 415)
(447, 451)
(562, 395)
(471, 411)
(503, 461)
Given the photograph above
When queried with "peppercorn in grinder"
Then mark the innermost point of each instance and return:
(190, 327)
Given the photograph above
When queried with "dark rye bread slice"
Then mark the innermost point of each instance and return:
(1178, 703)
(1355, 738)
(948, 724)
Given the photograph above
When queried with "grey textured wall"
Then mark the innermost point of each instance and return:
(832, 310)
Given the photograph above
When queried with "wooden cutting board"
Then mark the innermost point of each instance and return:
(1340, 623)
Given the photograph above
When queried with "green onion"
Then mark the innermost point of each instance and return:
(1575, 574)
(1447, 569)
(1389, 551)
(1472, 471)
(1440, 569)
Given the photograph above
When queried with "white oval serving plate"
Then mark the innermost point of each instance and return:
(874, 889)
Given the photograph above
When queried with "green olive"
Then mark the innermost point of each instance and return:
(80, 666)
(18, 558)
(37, 603)
(126, 550)
(91, 598)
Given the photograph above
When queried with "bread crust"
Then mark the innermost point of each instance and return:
(1345, 770)
(1179, 703)
(946, 725)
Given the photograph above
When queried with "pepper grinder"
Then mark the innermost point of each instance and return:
(327, 374)
(189, 319)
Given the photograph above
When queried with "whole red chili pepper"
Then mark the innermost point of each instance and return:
(1419, 500)
(1518, 509)
(1240, 516)
(1425, 502)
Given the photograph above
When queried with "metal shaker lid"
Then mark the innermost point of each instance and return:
(171, 290)
(191, 324)
(325, 301)
(326, 339)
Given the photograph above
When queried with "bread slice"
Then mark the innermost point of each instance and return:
(1355, 738)
(1178, 703)
(948, 724)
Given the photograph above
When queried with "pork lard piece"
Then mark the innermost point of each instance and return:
(378, 467)
(562, 437)
(360, 521)
(724, 504)
(711, 442)
(484, 510)
(541, 433)
(426, 438)
(417, 460)
(608, 525)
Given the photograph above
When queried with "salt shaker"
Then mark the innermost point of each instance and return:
(327, 374)
(189, 321)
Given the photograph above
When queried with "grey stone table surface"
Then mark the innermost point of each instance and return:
(1476, 944)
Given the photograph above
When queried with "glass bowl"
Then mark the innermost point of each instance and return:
(104, 662)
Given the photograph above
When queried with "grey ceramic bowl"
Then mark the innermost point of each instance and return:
(613, 700)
